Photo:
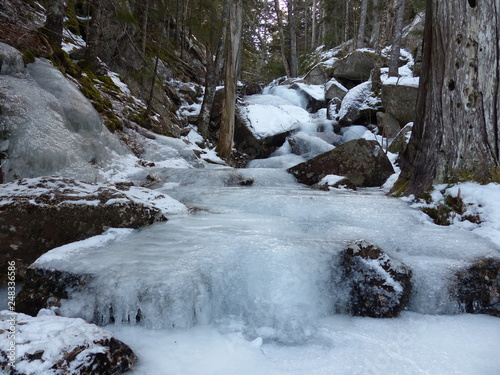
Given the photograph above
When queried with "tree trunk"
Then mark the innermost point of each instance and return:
(214, 70)
(282, 37)
(313, 24)
(144, 36)
(233, 45)
(362, 25)
(375, 23)
(397, 38)
(293, 39)
(53, 27)
(456, 132)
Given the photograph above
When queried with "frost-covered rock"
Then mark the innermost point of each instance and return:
(399, 98)
(334, 89)
(356, 66)
(54, 345)
(477, 287)
(308, 146)
(39, 214)
(11, 60)
(358, 104)
(52, 127)
(380, 286)
(363, 162)
(317, 75)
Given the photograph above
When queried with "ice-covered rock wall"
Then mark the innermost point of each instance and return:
(48, 126)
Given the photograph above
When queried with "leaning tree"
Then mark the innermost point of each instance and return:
(456, 132)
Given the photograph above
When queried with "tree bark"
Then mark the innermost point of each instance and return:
(293, 39)
(375, 23)
(397, 38)
(53, 27)
(313, 24)
(362, 24)
(456, 132)
(233, 45)
(282, 37)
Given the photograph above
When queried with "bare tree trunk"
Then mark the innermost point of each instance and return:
(362, 24)
(375, 23)
(456, 132)
(282, 37)
(214, 69)
(313, 26)
(397, 38)
(53, 27)
(293, 39)
(233, 45)
(144, 30)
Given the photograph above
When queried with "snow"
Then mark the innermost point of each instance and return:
(119, 83)
(360, 96)
(402, 81)
(331, 179)
(51, 336)
(268, 120)
(316, 91)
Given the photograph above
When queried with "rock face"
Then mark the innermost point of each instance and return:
(57, 345)
(362, 161)
(356, 66)
(400, 101)
(380, 285)
(317, 75)
(39, 214)
(478, 287)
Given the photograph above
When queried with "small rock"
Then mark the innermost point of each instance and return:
(11, 60)
(399, 143)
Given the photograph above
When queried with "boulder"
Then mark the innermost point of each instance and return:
(317, 75)
(362, 161)
(39, 214)
(357, 66)
(399, 143)
(56, 345)
(388, 124)
(252, 88)
(359, 105)
(334, 89)
(400, 100)
(477, 287)
(380, 286)
(11, 60)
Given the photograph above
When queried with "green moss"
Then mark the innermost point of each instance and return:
(28, 56)
(71, 22)
(495, 174)
(400, 187)
(456, 204)
(112, 122)
(63, 62)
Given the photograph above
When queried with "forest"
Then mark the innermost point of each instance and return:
(249, 187)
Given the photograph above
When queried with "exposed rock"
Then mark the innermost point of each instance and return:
(252, 89)
(362, 161)
(333, 108)
(308, 146)
(356, 66)
(335, 182)
(399, 143)
(317, 75)
(389, 125)
(380, 286)
(360, 105)
(400, 101)
(58, 345)
(334, 89)
(478, 287)
(11, 60)
(39, 214)
(44, 288)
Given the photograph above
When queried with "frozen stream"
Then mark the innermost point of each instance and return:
(249, 283)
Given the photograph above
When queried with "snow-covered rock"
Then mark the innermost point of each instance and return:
(359, 102)
(399, 143)
(380, 286)
(356, 66)
(39, 214)
(334, 89)
(54, 345)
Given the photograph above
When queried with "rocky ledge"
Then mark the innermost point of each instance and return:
(39, 214)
